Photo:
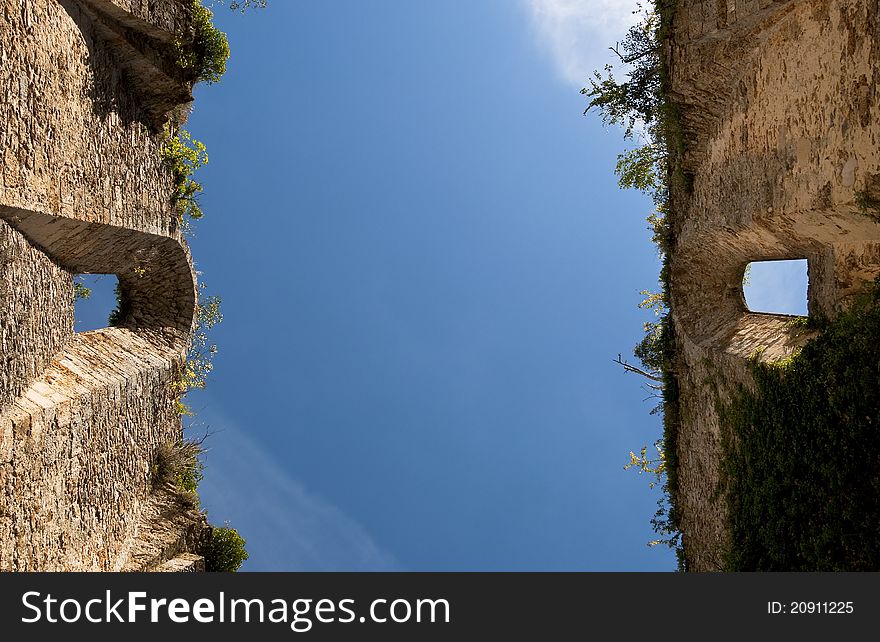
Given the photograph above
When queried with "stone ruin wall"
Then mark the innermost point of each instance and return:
(781, 121)
(86, 87)
(779, 110)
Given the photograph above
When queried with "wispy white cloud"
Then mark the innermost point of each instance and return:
(287, 527)
(577, 33)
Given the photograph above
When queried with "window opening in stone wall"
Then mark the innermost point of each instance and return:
(777, 287)
(96, 300)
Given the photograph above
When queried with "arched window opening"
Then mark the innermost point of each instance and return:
(776, 287)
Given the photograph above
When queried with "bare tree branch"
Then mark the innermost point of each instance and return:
(628, 367)
(628, 60)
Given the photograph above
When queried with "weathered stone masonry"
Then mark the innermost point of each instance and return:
(86, 86)
(779, 110)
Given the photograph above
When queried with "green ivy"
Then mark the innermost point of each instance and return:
(801, 453)
(180, 465)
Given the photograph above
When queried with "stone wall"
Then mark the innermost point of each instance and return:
(36, 316)
(781, 120)
(86, 88)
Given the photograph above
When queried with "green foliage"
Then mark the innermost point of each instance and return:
(190, 478)
(639, 169)
(183, 155)
(225, 551)
(655, 301)
(644, 464)
(657, 468)
(202, 351)
(179, 465)
(204, 54)
(199, 360)
(612, 98)
(118, 314)
(636, 99)
(639, 105)
(801, 453)
(658, 223)
(81, 291)
(656, 351)
(650, 349)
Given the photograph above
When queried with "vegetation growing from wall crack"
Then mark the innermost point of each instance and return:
(202, 55)
(178, 465)
(183, 155)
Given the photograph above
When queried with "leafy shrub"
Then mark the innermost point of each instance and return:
(225, 551)
(183, 155)
(80, 290)
(203, 56)
(199, 360)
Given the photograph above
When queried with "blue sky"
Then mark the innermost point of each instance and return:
(777, 286)
(426, 270)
